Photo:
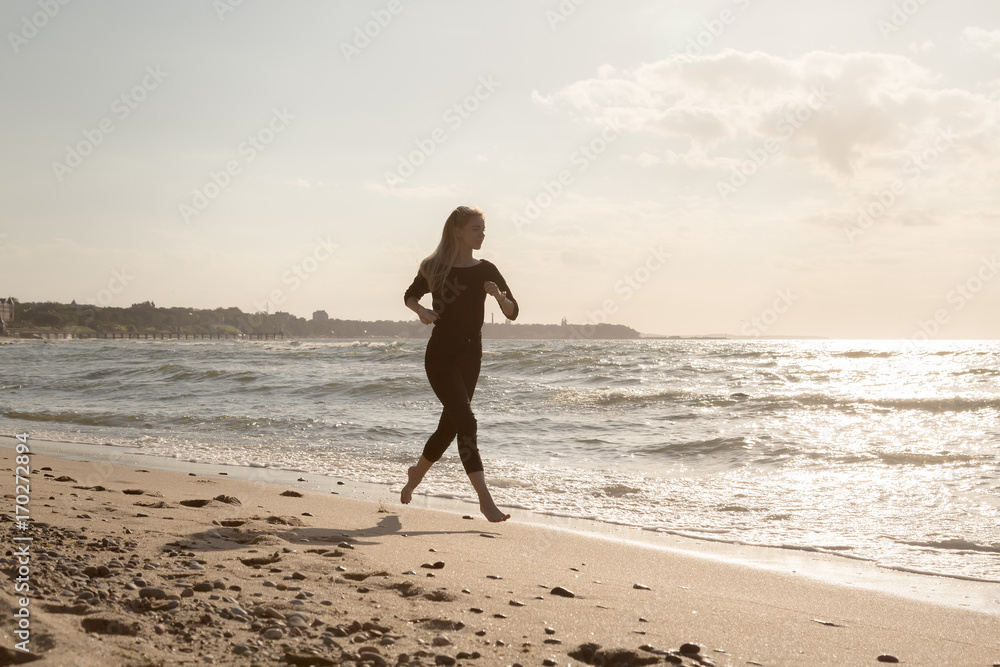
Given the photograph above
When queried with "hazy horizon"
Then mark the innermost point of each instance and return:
(681, 167)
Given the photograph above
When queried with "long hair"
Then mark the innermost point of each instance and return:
(435, 266)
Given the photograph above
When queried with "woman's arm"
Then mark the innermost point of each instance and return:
(507, 305)
(411, 298)
(426, 316)
(501, 292)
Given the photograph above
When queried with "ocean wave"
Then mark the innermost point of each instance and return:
(936, 404)
(549, 364)
(988, 372)
(182, 373)
(946, 404)
(619, 490)
(636, 398)
(956, 544)
(336, 344)
(908, 458)
(755, 354)
(935, 573)
(921, 459)
(702, 447)
(864, 354)
(100, 419)
(235, 423)
(569, 396)
(102, 373)
(381, 388)
(212, 423)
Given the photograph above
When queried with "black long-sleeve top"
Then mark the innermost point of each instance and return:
(460, 302)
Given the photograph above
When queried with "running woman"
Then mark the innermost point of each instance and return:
(458, 284)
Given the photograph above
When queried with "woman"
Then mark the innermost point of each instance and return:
(458, 284)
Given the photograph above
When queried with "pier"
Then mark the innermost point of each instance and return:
(137, 335)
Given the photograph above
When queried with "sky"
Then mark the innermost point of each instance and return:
(682, 167)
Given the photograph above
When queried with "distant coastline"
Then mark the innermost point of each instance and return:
(48, 319)
(59, 320)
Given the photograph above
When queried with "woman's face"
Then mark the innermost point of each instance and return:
(473, 234)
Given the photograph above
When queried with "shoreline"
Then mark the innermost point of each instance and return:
(827, 567)
(139, 566)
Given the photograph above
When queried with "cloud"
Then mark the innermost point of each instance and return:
(865, 106)
(431, 191)
(979, 39)
(646, 159)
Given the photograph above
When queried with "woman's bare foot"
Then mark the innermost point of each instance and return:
(414, 477)
(492, 512)
(486, 504)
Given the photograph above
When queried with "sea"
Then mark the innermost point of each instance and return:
(882, 451)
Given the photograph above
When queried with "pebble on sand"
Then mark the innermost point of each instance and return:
(562, 592)
(152, 592)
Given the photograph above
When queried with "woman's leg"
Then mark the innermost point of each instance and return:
(468, 446)
(445, 376)
(453, 378)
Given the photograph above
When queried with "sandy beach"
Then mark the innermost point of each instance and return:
(137, 566)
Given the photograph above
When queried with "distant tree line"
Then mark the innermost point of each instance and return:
(146, 317)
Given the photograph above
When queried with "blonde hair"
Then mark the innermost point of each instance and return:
(435, 266)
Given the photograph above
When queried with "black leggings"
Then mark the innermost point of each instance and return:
(453, 370)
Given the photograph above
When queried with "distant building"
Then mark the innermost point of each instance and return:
(320, 316)
(6, 313)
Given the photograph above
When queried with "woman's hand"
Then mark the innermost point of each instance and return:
(428, 316)
(492, 289)
(506, 305)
